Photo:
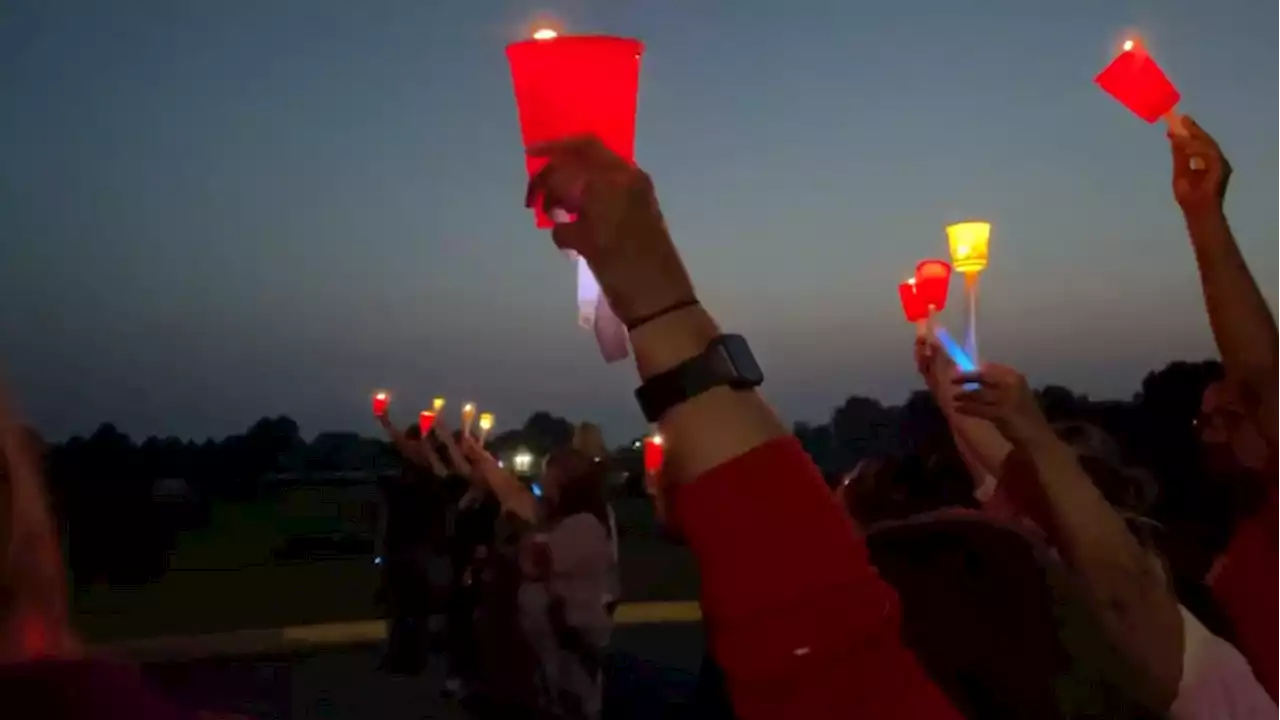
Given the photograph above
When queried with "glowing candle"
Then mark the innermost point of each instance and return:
(933, 280)
(913, 305)
(569, 85)
(381, 400)
(437, 405)
(468, 416)
(654, 450)
(969, 243)
(426, 419)
(486, 424)
(1138, 83)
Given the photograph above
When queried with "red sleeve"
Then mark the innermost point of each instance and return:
(796, 616)
(1245, 586)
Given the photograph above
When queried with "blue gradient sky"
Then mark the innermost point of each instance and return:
(211, 211)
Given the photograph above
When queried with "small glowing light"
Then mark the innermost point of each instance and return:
(1128, 45)
(544, 34)
(469, 408)
(380, 396)
(522, 462)
(486, 421)
(969, 243)
(657, 440)
(437, 404)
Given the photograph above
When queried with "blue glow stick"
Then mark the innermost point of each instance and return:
(954, 351)
(957, 354)
(537, 489)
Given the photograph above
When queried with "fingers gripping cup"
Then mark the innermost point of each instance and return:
(575, 85)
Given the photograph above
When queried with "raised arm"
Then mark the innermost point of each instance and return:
(1128, 591)
(514, 495)
(427, 452)
(457, 458)
(1243, 326)
(34, 615)
(407, 449)
(797, 618)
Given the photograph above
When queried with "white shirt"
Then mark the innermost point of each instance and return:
(1217, 682)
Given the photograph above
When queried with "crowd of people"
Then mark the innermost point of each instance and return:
(1063, 597)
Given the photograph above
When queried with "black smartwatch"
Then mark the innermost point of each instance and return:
(726, 361)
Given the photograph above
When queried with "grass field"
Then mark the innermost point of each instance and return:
(227, 576)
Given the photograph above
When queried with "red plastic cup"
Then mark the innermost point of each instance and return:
(913, 304)
(380, 402)
(576, 85)
(654, 448)
(426, 419)
(933, 278)
(1139, 84)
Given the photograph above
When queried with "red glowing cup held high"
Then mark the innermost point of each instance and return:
(380, 402)
(426, 420)
(933, 279)
(1138, 83)
(575, 85)
(913, 303)
(654, 450)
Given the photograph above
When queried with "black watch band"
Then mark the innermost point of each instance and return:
(726, 361)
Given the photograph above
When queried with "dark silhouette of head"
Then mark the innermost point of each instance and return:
(574, 482)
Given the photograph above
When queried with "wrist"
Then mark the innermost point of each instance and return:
(1209, 217)
(670, 339)
(1043, 443)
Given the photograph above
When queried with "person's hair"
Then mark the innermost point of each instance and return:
(898, 486)
(582, 488)
(588, 439)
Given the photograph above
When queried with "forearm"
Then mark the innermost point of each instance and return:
(981, 446)
(1243, 327)
(714, 427)
(1120, 580)
(37, 622)
(456, 458)
(512, 494)
(432, 458)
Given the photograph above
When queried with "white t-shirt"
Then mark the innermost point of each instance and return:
(1217, 682)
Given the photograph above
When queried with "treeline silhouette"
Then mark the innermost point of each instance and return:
(122, 504)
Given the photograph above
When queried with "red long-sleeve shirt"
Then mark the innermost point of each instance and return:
(1245, 586)
(796, 616)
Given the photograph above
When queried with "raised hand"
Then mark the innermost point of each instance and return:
(935, 367)
(1199, 186)
(1004, 398)
(619, 229)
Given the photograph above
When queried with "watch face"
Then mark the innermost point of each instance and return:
(746, 372)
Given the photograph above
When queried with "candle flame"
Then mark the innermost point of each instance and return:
(381, 396)
(469, 407)
(1128, 45)
(657, 439)
(544, 34)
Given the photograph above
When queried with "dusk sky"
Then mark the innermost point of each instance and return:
(212, 211)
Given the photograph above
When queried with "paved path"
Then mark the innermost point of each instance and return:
(651, 675)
